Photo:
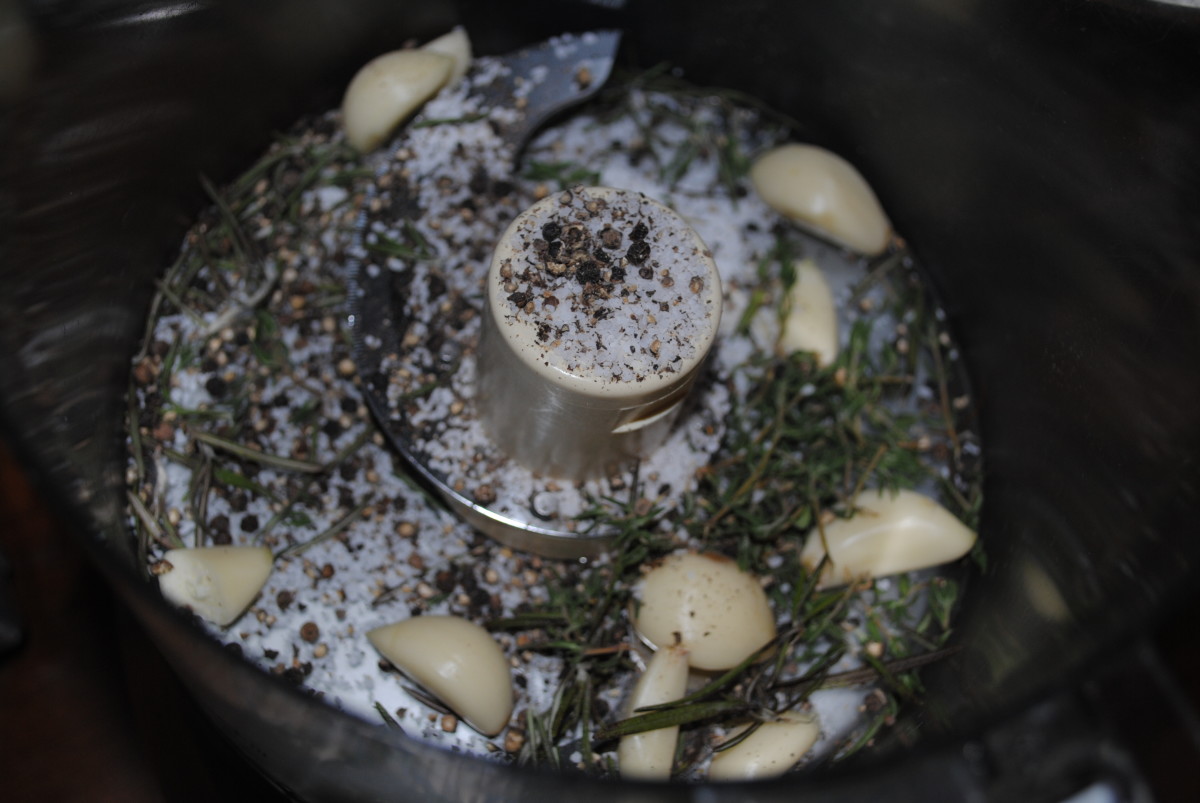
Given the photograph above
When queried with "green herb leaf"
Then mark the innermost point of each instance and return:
(666, 718)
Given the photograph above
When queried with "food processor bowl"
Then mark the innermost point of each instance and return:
(1041, 158)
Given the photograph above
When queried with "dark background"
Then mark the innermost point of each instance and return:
(88, 708)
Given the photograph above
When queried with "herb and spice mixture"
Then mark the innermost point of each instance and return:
(247, 428)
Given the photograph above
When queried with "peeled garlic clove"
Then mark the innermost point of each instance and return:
(387, 90)
(811, 322)
(771, 750)
(888, 535)
(457, 45)
(217, 583)
(457, 661)
(705, 603)
(824, 193)
(648, 756)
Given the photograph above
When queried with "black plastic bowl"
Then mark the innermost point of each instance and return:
(1043, 158)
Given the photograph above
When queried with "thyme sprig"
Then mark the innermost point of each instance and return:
(228, 288)
(564, 174)
(808, 441)
(729, 118)
(257, 455)
(387, 718)
(332, 531)
(584, 621)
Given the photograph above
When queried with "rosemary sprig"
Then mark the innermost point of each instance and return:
(670, 717)
(387, 718)
(696, 707)
(414, 246)
(435, 121)
(583, 622)
(163, 533)
(242, 246)
(198, 490)
(565, 174)
(717, 684)
(236, 479)
(333, 530)
(256, 456)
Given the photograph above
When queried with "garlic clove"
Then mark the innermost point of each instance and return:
(770, 751)
(824, 193)
(649, 756)
(389, 89)
(217, 583)
(811, 322)
(705, 603)
(457, 661)
(457, 45)
(889, 534)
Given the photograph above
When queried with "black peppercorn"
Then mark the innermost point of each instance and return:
(572, 236)
(638, 252)
(479, 182)
(216, 387)
(588, 272)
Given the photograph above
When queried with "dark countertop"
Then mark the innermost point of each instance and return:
(75, 724)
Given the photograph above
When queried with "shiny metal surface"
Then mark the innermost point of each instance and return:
(377, 316)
